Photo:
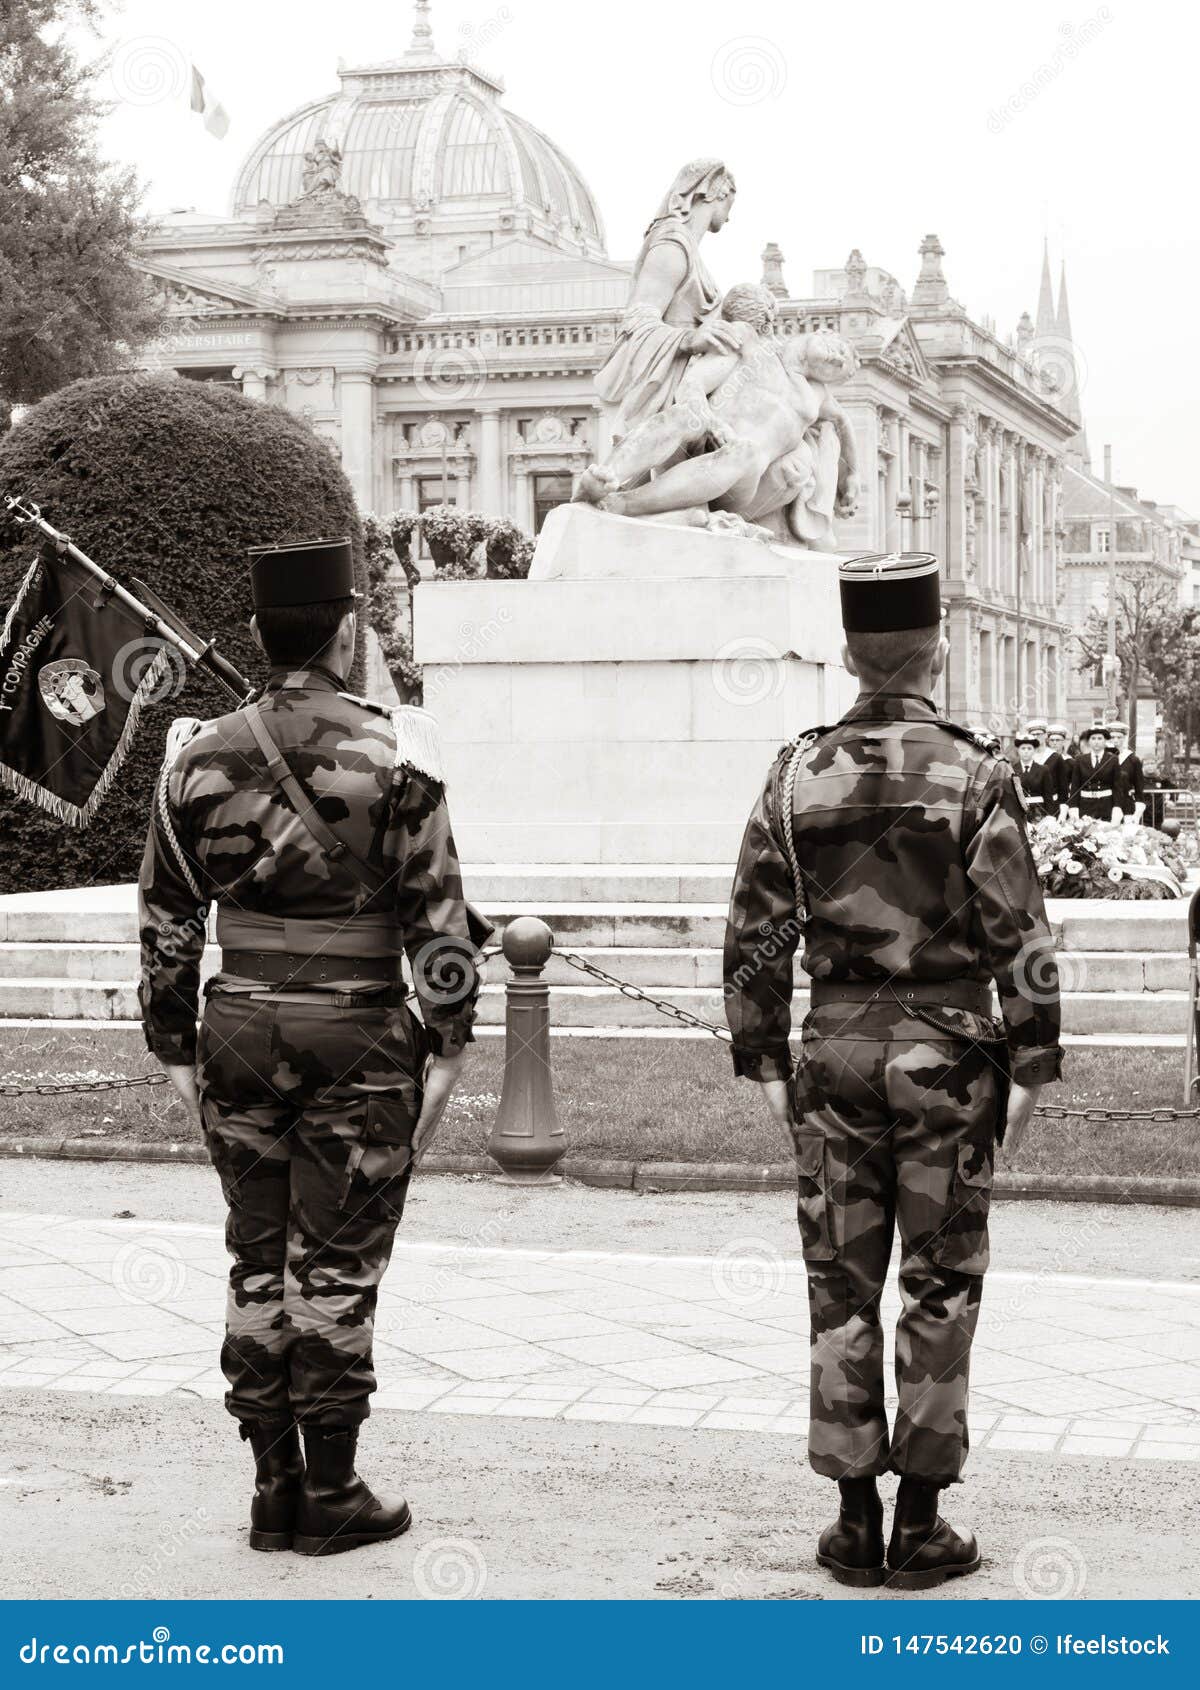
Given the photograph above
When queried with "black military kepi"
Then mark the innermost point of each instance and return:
(885, 592)
(303, 572)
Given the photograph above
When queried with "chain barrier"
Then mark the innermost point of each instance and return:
(1047, 1111)
(56, 1088)
(672, 1011)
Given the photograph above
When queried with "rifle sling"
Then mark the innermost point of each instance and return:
(284, 777)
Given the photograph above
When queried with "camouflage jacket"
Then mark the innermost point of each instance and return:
(247, 849)
(915, 866)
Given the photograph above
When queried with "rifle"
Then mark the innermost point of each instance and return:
(159, 618)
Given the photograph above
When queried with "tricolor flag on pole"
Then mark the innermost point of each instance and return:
(216, 118)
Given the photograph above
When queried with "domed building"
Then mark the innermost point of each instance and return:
(419, 272)
(422, 274)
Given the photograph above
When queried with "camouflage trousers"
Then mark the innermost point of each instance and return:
(892, 1132)
(308, 1114)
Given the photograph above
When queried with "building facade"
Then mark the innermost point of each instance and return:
(423, 276)
(1151, 547)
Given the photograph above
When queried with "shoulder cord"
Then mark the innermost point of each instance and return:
(785, 821)
(168, 828)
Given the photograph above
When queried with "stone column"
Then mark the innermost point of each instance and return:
(254, 379)
(891, 489)
(356, 389)
(408, 490)
(490, 497)
(522, 498)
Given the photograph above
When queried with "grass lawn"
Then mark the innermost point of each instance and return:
(676, 1100)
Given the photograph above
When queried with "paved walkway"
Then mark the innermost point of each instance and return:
(1064, 1363)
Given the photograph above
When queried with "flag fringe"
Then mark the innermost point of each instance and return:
(6, 631)
(80, 815)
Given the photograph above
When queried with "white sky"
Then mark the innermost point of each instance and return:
(855, 124)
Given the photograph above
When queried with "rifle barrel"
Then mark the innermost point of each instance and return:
(220, 667)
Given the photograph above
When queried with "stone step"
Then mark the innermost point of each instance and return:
(573, 1005)
(645, 964)
(1078, 930)
(600, 906)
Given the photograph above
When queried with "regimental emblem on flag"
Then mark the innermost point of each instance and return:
(216, 118)
(67, 721)
(72, 691)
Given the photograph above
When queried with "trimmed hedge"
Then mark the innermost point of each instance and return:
(171, 480)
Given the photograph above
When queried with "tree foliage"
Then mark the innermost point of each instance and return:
(71, 301)
(1144, 597)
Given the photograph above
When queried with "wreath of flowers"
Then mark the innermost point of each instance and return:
(1084, 858)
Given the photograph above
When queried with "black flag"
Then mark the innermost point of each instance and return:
(77, 667)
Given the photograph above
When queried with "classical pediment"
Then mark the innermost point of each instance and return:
(898, 346)
(188, 290)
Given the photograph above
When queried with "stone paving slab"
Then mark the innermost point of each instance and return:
(1064, 1364)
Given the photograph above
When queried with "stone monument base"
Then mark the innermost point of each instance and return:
(623, 703)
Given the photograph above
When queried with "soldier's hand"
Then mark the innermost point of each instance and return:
(183, 1078)
(778, 1102)
(440, 1082)
(1022, 1100)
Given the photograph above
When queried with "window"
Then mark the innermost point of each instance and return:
(548, 491)
(219, 375)
(1103, 539)
(432, 490)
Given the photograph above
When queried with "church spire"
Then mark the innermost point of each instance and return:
(1047, 322)
(421, 48)
(1063, 331)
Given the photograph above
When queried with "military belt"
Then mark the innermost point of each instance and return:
(359, 937)
(277, 968)
(892, 994)
(1096, 792)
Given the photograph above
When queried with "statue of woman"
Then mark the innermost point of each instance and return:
(673, 302)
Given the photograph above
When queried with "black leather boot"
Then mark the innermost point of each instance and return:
(924, 1550)
(852, 1548)
(338, 1511)
(278, 1470)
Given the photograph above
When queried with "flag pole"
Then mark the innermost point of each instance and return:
(203, 654)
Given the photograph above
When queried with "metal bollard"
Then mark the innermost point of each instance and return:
(527, 1138)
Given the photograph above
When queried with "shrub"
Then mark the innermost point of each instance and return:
(389, 608)
(403, 525)
(509, 551)
(171, 480)
(453, 537)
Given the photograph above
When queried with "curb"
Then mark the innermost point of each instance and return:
(648, 1176)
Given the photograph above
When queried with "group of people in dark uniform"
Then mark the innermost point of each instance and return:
(1096, 775)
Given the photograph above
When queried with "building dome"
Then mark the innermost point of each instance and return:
(426, 147)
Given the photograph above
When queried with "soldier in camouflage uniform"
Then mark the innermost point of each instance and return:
(894, 845)
(317, 823)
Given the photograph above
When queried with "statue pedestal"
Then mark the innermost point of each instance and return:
(623, 704)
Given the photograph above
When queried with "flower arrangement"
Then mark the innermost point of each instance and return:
(453, 536)
(509, 550)
(1083, 858)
